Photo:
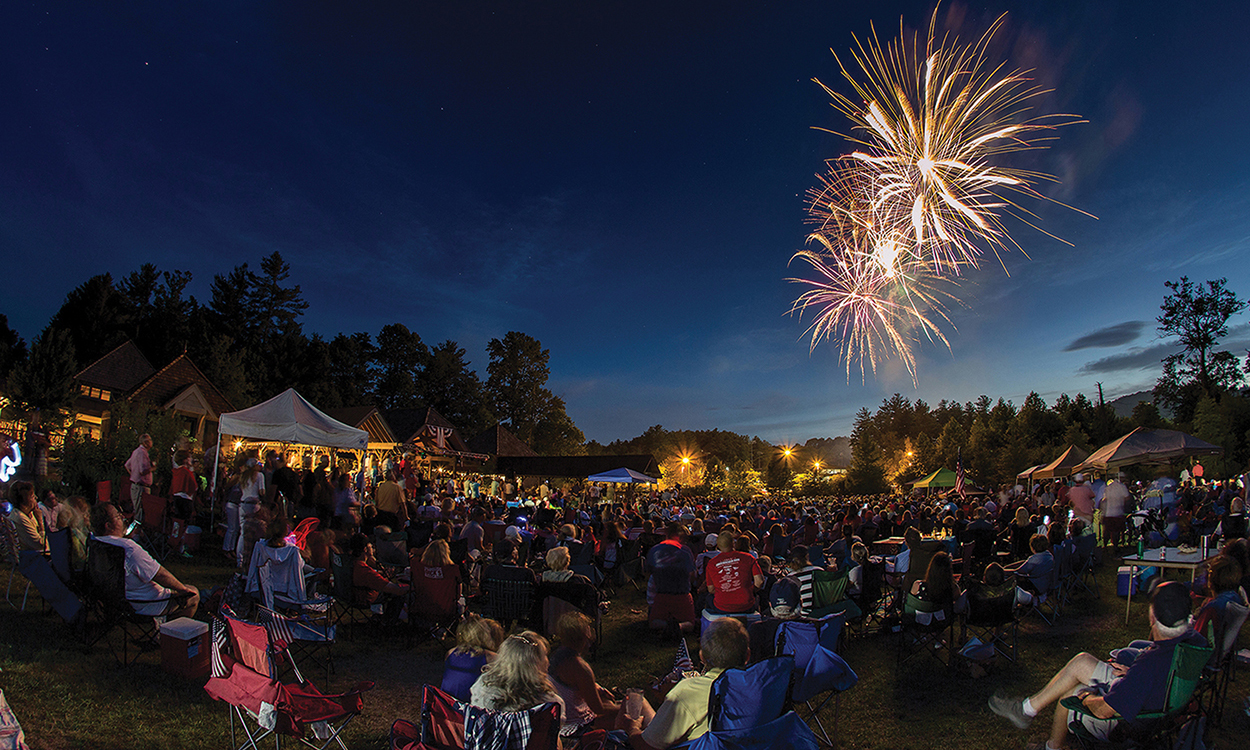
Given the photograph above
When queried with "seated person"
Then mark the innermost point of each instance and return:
(371, 587)
(1112, 692)
(505, 566)
(558, 567)
(938, 585)
(732, 578)
(436, 583)
(477, 640)
(587, 703)
(896, 567)
(855, 577)
(671, 568)
(150, 588)
(34, 557)
(1223, 587)
(1033, 576)
(517, 679)
(286, 561)
(802, 572)
(683, 715)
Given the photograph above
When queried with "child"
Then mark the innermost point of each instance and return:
(477, 640)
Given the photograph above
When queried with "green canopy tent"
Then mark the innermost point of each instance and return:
(942, 478)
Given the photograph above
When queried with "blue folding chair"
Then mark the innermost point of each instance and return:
(820, 675)
(785, 733)
(750, 696)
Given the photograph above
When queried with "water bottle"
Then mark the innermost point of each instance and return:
(1141, 548)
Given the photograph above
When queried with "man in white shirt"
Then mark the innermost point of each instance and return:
(150, 588)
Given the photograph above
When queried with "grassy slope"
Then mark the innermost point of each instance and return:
(67, 700)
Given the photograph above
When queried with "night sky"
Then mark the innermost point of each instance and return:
(622, 181)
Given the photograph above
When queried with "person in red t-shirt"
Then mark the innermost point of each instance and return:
(371, 587)
(733, 578)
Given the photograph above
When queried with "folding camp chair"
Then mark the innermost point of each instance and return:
(349, 612)
(992, 620)
(873, 600)
(12, 556)
(58, 549)
(829, 594)
(306, 622)
(748, 696)
(391, 549)
(509, 601)
(820, 675)
(432, 605)
(106, 594)
(785, 733)
(924, 628)
(570, 596)
(1084, 567)
(1156, 727)
(445, 722)
(1225, 628)
(246, 680)
(155, 525)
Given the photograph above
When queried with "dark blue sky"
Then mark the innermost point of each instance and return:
(623, 181)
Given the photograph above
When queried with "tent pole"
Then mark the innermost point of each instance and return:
(212, 493)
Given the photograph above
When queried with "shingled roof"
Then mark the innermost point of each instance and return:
(174, 378)
(120, 370)
(498, 441)
(366, 418)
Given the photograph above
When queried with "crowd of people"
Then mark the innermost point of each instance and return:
(709, 565)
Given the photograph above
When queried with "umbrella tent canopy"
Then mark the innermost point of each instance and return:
(939, 478)
(289, 418)
(1063, 466)
(1143, 446)
(620, 476)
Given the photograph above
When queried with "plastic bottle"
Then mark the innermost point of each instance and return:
(1141, 549)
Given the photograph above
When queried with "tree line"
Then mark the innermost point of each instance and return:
(1200, 387)
(249, 341)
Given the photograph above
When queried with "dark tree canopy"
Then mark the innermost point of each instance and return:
(1197, 315)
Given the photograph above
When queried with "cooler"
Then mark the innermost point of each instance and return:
(185, 648)
(191, 538)
(1125, 578)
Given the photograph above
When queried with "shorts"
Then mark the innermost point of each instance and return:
(1102, 678)
(679, 607)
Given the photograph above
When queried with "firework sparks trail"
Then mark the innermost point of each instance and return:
(922, 196)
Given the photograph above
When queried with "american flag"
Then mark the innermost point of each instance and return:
(681, 665)
(219, 644)
(959, 477)
(278, 626)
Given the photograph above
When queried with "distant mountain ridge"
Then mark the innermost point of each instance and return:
(1124, 404)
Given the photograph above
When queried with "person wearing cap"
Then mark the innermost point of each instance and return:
(709, 551)
(1081, 498)
(1117, 691)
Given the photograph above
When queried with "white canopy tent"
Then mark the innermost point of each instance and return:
(288, 418)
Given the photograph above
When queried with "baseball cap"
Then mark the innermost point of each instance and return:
(783, 600)
(710, 540)
(1170, 602)
(512, 533)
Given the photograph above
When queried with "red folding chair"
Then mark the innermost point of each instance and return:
(446, 724)
(263, 705)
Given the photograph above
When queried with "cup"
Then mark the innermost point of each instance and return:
(633, 704)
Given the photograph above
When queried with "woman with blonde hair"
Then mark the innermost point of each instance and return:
(477, 640)
(557, 565)
(517, 679)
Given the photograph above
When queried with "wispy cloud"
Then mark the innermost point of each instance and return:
(1137, 358)
(1116, 335)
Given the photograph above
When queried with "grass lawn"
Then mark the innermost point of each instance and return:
(67, 700)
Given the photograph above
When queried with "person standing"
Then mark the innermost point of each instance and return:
(1114, 506)
(140, 467)
(389, 497)
(1081, 498)
(251, 487)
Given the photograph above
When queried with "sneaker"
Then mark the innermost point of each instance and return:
(1011, 709)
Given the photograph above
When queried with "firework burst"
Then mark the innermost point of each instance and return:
(923, 196)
